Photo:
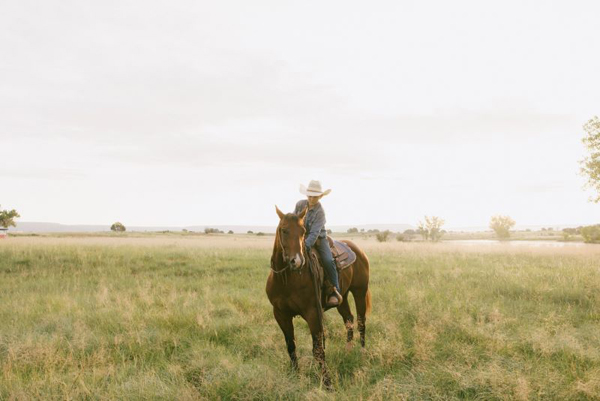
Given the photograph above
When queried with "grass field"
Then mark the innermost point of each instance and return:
(167, 317)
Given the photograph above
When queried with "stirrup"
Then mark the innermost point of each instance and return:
(337, 295)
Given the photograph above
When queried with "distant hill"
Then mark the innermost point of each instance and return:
(37, 227)
(381, 227)
(41, 227)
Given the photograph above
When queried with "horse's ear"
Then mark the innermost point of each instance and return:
(303, 213)
(279, 213)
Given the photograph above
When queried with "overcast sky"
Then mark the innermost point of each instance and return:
(198, 112)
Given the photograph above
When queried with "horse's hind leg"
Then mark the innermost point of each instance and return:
(344, 310)
(360, 298)
(287, 326)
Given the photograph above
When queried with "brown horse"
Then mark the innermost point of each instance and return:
(292, 292)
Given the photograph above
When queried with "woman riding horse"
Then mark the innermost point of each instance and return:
(293, 287)
(316, 235)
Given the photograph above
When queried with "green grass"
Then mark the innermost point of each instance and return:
(93, 321)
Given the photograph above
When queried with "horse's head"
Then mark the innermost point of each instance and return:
(290, 235)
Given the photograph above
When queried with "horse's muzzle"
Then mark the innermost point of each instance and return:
(297, 261)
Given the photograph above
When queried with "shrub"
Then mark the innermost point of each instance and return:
(568, 232)
(406, 236)
(403, 238)
(383, 236)
(352, 230)
(209, 230)
(591, 234)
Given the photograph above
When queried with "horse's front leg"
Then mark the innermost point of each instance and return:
(316, 331)
(287, 326)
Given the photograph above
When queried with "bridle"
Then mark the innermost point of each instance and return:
(289, 266)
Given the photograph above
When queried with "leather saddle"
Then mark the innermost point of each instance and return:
(342, 254)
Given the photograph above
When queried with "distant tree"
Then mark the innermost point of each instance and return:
(250, 232)
(591, 164)
(431, 228)
(260, 233)
(184, 230)
(118, 227)
(7, 218)
(209, 230)
(230, 232)
(382, 236)
(352, 230)
(329, 231)
(410, 232)
(501, 226)
(362, 230)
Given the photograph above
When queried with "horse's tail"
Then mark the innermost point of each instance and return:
(368, 301)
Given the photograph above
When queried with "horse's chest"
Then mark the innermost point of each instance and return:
(291, 298)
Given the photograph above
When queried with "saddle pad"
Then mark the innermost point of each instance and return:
(342, 254)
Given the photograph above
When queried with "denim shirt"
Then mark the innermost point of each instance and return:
(314, 222)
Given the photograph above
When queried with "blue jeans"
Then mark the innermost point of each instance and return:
(322, 246)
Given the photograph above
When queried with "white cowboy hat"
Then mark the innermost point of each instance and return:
(314, 189)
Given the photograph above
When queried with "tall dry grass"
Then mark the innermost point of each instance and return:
(187, 318)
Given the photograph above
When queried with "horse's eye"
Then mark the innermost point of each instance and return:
(285, 232)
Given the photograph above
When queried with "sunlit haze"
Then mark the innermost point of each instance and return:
(197, 112)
